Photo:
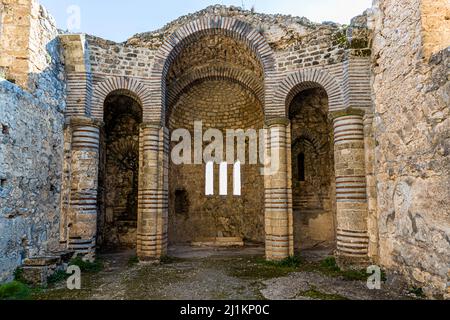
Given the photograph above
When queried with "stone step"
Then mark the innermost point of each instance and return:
(219, 242)
(37, 270)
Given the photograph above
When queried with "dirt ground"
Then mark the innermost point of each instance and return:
(214, 274)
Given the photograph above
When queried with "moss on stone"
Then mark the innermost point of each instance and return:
(315, 294)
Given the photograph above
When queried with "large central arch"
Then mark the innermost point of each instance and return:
(154, 183)
(166, 55)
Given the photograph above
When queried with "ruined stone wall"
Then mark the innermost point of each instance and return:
(313, 194)
(222, 105)
(26, 36)
(412, 132)
(109, 58)
(31, 137)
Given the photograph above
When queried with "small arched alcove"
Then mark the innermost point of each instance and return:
(312, 168)
(119, 171)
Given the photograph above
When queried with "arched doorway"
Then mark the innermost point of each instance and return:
(313, 175)
(119, 171)
(216, 80)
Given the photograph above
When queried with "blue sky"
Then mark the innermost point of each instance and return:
(118, 20)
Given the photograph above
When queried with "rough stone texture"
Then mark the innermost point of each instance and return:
(32, 135)
(389, 189)
(412, 132)
(222, 105)
(30, 171)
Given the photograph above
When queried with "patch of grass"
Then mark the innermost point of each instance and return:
(330, 268)
(259, 268)
(87, 266)
(15, 290)
(313, 293)
(133, 261)
(58, 276)
(291, 262)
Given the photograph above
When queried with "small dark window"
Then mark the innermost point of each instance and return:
(301, 166)
(181, 201)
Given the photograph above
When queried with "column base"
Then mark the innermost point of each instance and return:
(345, 262)
(149, 261)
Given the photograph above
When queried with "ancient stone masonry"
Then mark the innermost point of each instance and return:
(358, 114)
(31, 134)
(411, 129)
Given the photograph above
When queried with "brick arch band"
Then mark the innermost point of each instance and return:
(127, 86)
(246, 79)
(167, 54)
(302, 80)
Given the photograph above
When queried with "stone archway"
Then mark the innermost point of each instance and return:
(349, 158)
(119, 170)
(167, 86)
(313, 178)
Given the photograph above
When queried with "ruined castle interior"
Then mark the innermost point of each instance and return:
(360, 112)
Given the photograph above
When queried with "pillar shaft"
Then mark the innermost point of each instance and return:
(351, 197)
(153, 192)
(84, 185)
(278, 193)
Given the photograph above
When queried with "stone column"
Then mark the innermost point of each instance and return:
(278, 193)
(351, 197)
(82, 222)
(153, 192)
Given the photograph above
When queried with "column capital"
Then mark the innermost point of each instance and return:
(346, 112)
(151, 125)
(277, 122)
(78, 121)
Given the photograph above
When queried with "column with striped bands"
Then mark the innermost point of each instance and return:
(351, 190)
(153, 192)
(278, 193)
(82, 222)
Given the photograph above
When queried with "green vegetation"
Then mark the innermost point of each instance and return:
(15, 290)
(87, 266)
(326, 267)
(313, 293)
(133, 261)
(340, 37)
(291, 262)
(418, 292)
(18, 275)
(58, 276)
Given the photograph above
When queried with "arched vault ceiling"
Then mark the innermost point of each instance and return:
(215, 56)
(218, 71)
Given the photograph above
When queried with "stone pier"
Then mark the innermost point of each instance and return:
(351, 196)
(278, 193)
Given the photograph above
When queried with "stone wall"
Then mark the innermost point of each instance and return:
(219, 104)
(31, 136)
(412, 132)
(26, 36)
